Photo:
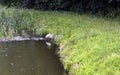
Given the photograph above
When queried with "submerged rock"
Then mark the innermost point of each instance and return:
(48, 39)
(37, 38)
(16, 38)
(4, 40)
(19, 38)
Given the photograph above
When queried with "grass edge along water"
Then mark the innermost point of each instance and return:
(89, 45)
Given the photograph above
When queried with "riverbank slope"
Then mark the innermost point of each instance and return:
(89, 45)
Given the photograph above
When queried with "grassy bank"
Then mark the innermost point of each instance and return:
(89, 45)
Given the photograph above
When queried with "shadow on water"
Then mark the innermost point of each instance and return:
(29, 58)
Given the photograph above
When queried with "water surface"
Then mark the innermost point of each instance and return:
(29, 58)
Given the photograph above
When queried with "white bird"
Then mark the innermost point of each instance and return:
(49, 40)
(49, 37)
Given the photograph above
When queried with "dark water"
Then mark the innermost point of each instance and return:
(28, 58)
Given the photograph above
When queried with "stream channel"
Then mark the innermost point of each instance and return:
(29, 58)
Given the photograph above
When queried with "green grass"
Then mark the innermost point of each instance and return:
(89, 45)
